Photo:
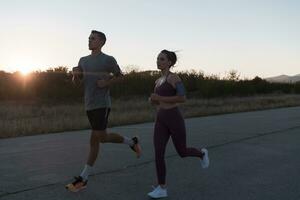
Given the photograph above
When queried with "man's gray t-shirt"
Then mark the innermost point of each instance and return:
(97, 67)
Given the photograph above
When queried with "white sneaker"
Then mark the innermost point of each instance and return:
(205, 160)
(158, 192)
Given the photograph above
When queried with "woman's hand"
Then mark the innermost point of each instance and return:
(155, 97)
(153, 102)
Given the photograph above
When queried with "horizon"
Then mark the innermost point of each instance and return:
(137, 69)
(254, 38)
(224, 76)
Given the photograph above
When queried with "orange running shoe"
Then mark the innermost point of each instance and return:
(136, 147)
(77, 185)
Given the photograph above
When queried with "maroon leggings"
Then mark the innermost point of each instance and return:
(169, 122)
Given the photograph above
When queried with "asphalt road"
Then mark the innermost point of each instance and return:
(254, 155)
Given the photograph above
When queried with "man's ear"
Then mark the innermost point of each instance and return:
(102, 42)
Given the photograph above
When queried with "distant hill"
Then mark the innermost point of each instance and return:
(284, 79)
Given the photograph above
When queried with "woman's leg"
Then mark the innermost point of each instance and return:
(161, 137)
(178, 134)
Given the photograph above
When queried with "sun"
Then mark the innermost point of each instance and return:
(24, 65)
(25, 70)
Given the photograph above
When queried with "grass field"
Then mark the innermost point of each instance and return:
(21, 119)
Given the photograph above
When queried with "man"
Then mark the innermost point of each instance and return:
(98, 71)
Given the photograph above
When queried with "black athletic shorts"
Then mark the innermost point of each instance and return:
(98, 118)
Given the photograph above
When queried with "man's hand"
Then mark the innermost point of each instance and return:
(77, 75)
(76, 80)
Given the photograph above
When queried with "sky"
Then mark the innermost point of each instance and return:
(255, 38)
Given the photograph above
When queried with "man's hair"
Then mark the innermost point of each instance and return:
(100, 35)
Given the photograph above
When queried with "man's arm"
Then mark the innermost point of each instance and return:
(108, 83)
(117, 74)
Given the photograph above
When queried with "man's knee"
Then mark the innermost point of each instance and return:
(98, 136)
(182, 154)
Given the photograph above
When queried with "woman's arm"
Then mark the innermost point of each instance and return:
(172, 99)
(176, 82)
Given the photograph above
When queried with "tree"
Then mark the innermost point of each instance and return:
(233, 75)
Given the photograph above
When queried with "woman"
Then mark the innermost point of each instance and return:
(168, 93)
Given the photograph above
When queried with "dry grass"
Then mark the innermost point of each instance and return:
(28, 119)
(203, 107)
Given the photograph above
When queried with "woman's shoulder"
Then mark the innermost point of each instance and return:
(173, 78)
(157, 80)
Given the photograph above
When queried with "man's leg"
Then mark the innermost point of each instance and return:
(95, 140)
(113, 138)
(98, 119)
(117, 138)
(101, 136)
